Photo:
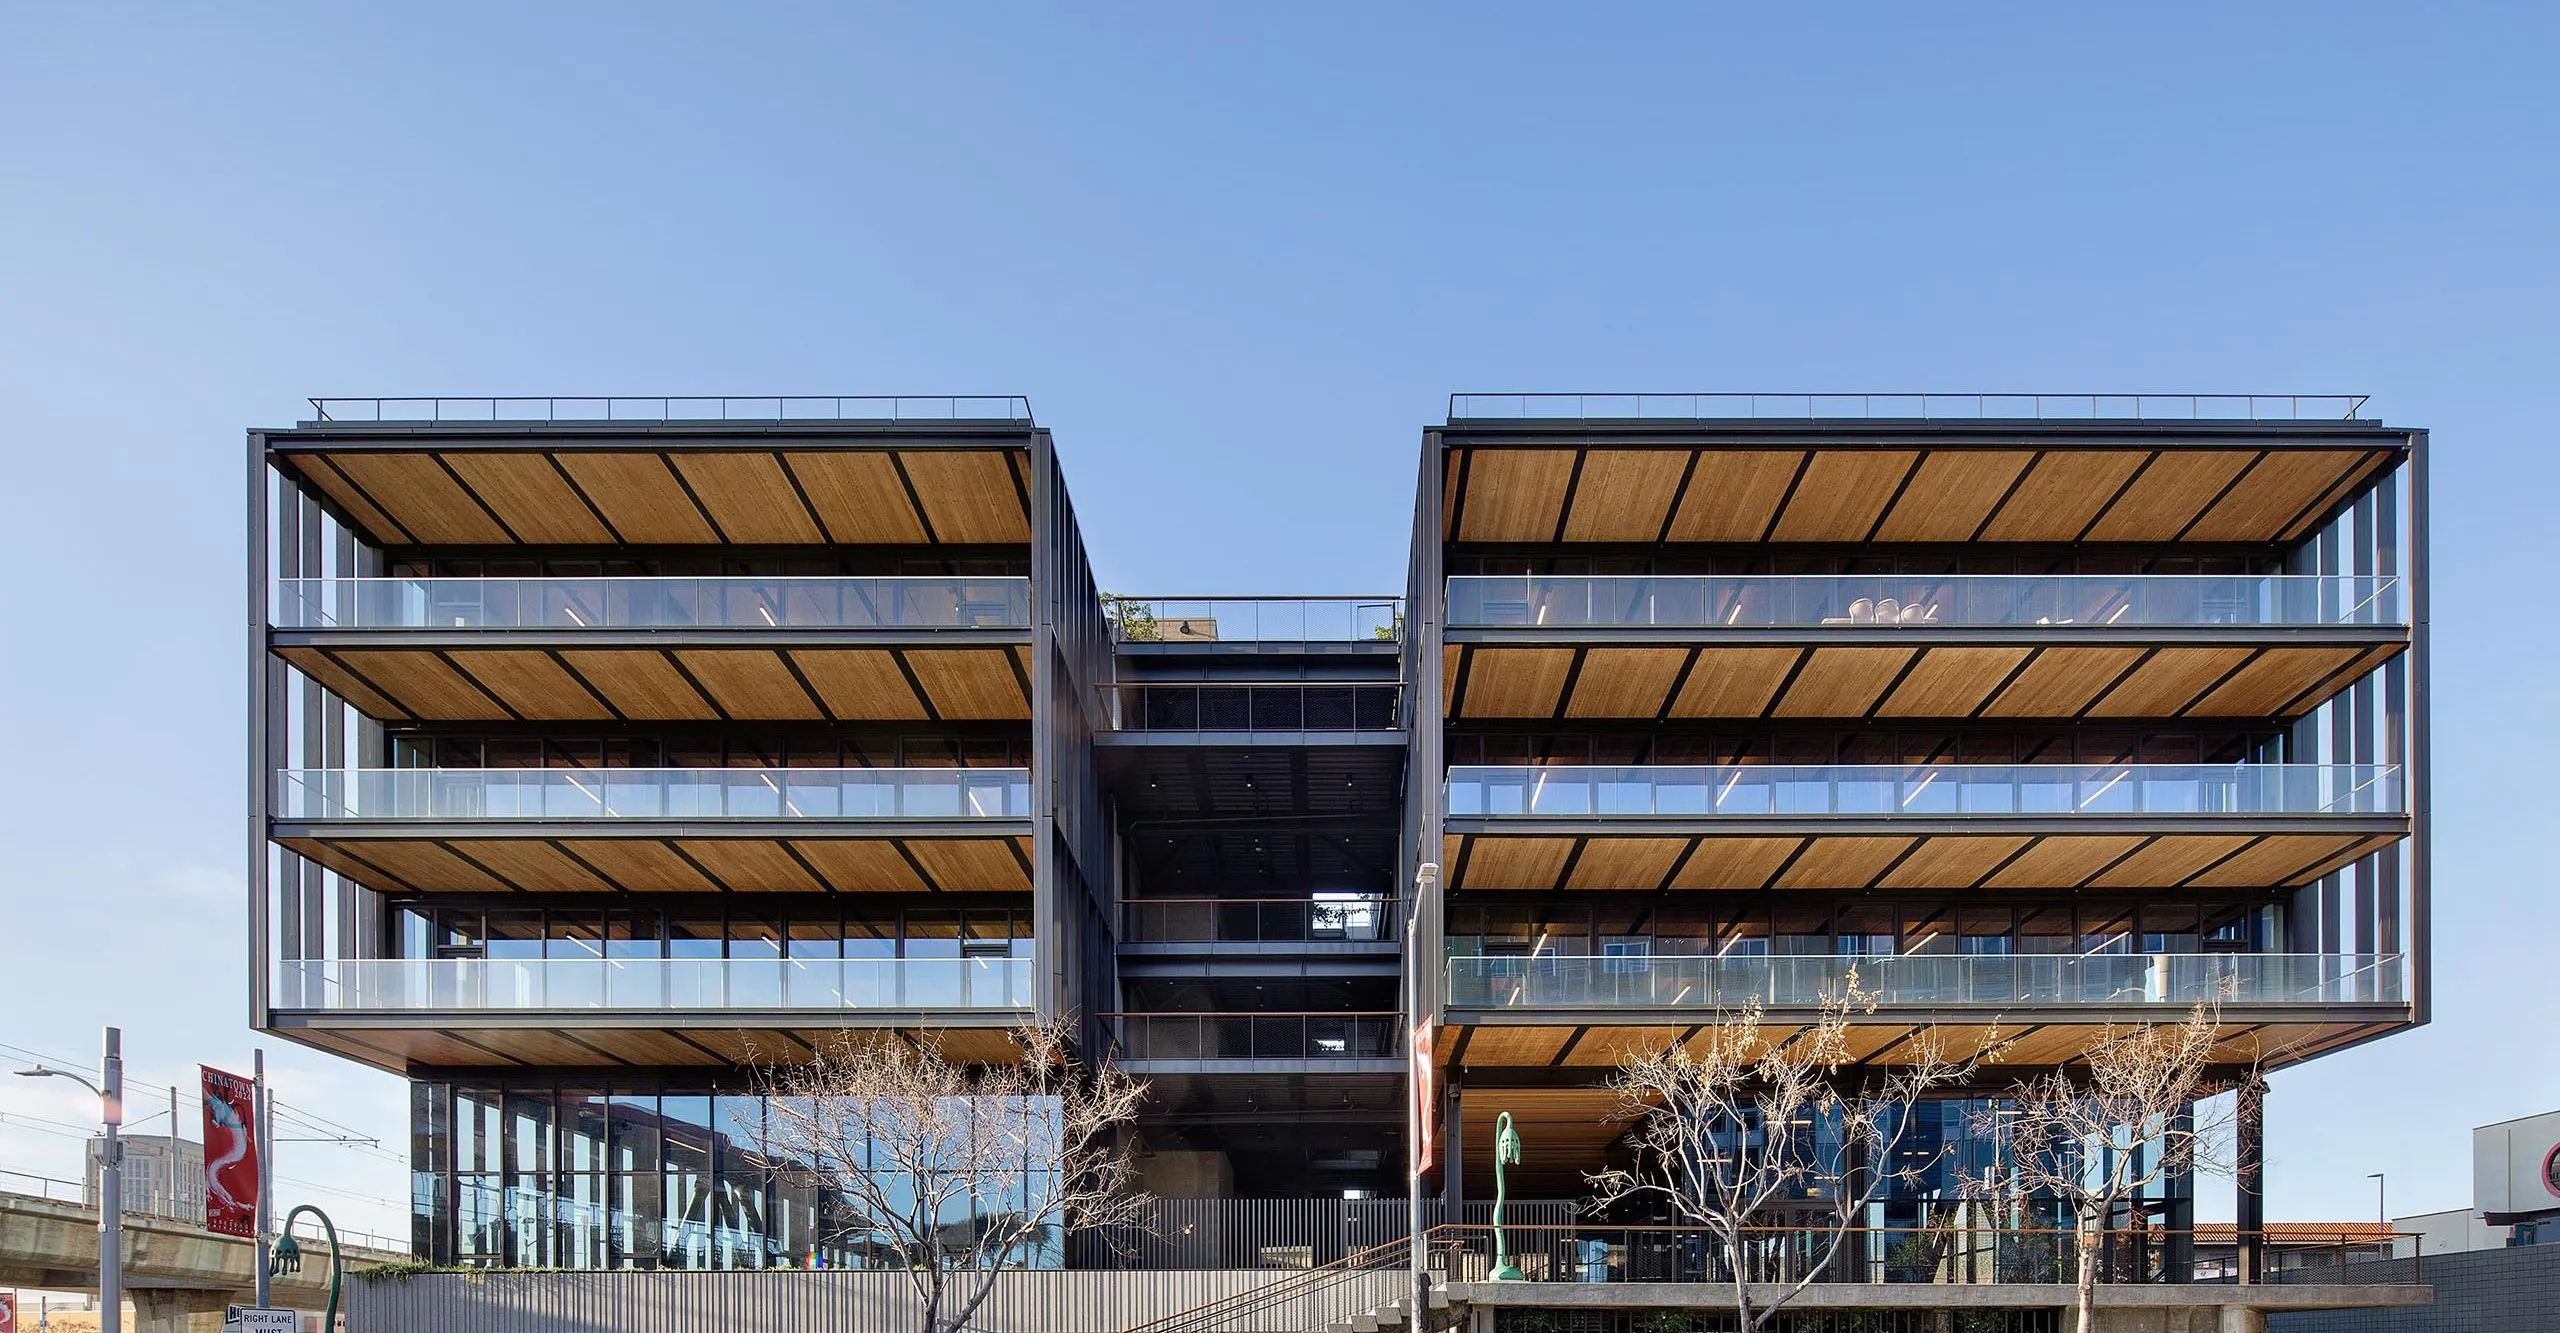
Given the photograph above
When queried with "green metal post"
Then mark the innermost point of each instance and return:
(288, 1258)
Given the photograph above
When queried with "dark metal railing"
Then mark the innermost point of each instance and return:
(1347, 918)
(769, 407)
(1948, 1254)
(1256, 706)
(1913, 406)
(1371, 619)
(1202, 1036)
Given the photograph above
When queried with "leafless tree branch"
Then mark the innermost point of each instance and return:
(951, 1172)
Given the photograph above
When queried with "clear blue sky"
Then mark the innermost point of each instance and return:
(1236, 255)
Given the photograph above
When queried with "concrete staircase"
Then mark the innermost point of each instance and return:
(1393, 1315)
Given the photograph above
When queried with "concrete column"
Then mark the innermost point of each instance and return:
(2250, 1178)
(2243, 1319)
(179, 1310)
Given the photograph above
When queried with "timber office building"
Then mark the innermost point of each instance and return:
(595, 758)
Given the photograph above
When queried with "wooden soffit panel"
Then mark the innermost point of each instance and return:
(1515, 682)
(532, 497)
(970, 496)
(1624, 495)
(1625, 682)
(1514, 495)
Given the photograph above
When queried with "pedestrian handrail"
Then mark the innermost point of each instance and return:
(1308, 1284)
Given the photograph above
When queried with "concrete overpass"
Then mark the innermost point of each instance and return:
(177, 1276)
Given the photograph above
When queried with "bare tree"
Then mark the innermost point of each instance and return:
(2095, 1138)
(1726, 1139)
(952, 1173)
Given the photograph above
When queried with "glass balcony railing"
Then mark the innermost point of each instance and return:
(654, 603)
(676, 984)
(1930, 600)
(1352, 1036)
(1255, 619)
(654, 793)
(1712, 790)
(1694, 982)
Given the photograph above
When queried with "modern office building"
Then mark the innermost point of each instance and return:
(605, 750)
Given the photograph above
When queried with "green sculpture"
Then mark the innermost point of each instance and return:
(288, 1258)
(1506, 1152)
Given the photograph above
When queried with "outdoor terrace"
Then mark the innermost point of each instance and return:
(1708, 983)
(1919, 826)
(663, 830)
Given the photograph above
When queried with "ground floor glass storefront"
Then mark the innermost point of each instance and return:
(660, 1175)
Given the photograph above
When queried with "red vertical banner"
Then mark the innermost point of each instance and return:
(230, 1154)
(1426, 1099)
(8, 1312)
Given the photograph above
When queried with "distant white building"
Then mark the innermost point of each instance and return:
(158, 1179)
(2515, 1192)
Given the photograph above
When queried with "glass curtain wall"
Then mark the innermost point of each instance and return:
(607, 1176)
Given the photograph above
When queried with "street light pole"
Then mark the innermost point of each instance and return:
(2382, 1210)
(110, 1177)
(1424, 877)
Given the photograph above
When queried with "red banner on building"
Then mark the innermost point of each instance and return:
(8, 1312)
(230, 1154)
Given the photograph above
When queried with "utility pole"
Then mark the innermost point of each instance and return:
(172, 1160)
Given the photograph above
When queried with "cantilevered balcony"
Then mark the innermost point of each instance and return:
(1822, 646)
(616, 1012)
(837, 988)
(1507, 1014)
(1901, 790)
(664, 649)
(654, 603)
(1916, 601)
(2040, 826)
(2009, 983)
(666, 830)
(549, 794)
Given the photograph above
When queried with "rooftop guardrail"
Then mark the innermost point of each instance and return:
(770, 407)
(653, 793)
(816, 602)
(1747, 406)
(1922, 601)
(1892, 790)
